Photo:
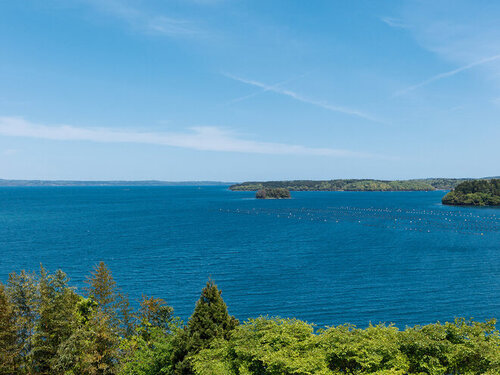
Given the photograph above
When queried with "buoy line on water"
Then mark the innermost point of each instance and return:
(419, 220)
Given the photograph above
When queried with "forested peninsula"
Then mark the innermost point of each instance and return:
(475, 193)
(47, 327)
(428, 184)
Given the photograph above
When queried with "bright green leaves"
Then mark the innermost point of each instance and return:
(265, 346)
(46, 328)
(353, 350)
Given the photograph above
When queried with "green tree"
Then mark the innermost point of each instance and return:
(56, 319)
(149, 351)
(23, 294)
(475, 347)
(265, 346)
(358, 351)
(210, 320)
(101, 288)
(94, 346)
(8, 337)
(154, 313)
(92, 349)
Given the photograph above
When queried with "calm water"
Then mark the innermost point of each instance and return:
(325, 257)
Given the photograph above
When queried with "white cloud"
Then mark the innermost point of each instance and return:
(147, 21)
(463, 33)
(394, 22)
(447, 74)
(277, 89)
(203, 138)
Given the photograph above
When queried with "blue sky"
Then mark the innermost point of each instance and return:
(249, 90)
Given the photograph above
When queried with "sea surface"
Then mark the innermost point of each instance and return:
(324, 257)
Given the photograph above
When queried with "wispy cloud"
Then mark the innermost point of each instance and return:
(447, 74)
(291, 94)
(394, 22)
(265, 89)
(203, 138)
(147, 21)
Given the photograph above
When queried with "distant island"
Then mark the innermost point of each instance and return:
(273, 193)
(427, 184)
(4, 182)
(474, 193)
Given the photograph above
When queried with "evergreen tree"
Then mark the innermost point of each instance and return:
(210, 320)
(23, 293)
(92, 349)
(8, 338)
(104, 317)
(149, 351)
(155, 312)
(101, 287)
(57, 315)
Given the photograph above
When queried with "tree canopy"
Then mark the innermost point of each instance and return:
(46, 327)
(427, 184)
(475, 193)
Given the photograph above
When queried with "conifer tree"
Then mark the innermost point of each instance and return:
(23, 294)
(104, 317)
(92, 349)
(210, 320)
(8, 338)
(57, 315)
(101, 287)
(155, 312)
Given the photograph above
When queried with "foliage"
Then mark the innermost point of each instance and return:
(210, 321)
(265, 346)
(56, 312)
(337, 185)
(47, 328)
(23, 293)
(149, 354)
(8, 337)
(475, 193)
(358, 351)
(426, 184)
(273, 193)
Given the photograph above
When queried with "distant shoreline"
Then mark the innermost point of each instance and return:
(424, 184)
(124, 183)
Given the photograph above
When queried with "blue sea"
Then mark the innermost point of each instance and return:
(323, 257)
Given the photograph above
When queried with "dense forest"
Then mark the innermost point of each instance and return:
(273, 193)
(475, 193)
(46, 327)
(354, 185)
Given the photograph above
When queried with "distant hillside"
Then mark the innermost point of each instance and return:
(108, 183)
(427, 184)
(475, 193)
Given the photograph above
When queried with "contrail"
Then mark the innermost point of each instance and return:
(447, 74)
